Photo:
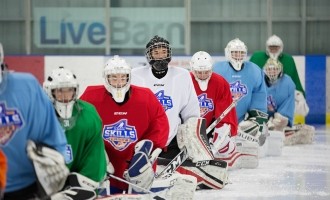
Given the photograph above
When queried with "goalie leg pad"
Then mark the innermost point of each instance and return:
(247, 155)
(299, 134)
(192, 135)
(74, 193)
(275, 143)
(176, 186)
(209, 176)
(77, 187)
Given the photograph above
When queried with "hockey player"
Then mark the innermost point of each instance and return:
(175, 91)
(280, 104)
(247, 84)
(85, 152)
(28, 121)
(135, 125)
(214, 97)
(274, 50)
(280, 96)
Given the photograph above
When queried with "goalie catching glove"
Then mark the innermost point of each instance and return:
(254, 128)
(49, 166)
(278, 122)
(192, 136)
(140, 170)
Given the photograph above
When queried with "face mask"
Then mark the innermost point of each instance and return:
(160, 65)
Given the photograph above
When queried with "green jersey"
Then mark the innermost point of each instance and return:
(289, 67)
(85, 149)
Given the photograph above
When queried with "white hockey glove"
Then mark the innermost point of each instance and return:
(140, 170)
(192, 135)
(301, 107)
(77, 187)
(221, 143)
(49, 166)
(278, 123)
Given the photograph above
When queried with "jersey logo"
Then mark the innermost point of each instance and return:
(238, 90)
(166, 101)
(68, 154)
(119, 134)
(205, 104)
(11, 122)
(271, 103)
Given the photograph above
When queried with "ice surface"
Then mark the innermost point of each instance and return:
(301, 172)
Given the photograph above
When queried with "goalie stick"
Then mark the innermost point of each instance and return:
(182, 156)
(1, 54)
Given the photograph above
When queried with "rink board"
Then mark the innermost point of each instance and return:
(313, 71)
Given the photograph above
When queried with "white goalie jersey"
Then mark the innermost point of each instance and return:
(175, 91)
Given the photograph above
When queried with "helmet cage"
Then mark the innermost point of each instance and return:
(273, 70)
(59, 79)
(114, 82)
(160, 45)
(201, 66)
(274, 41)
(236, 53)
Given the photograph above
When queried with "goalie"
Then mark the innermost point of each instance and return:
(130, 114)
(281, 104)
(30, 116)
(175, 91)
(85, 154)
(246, 82)
(274, 50)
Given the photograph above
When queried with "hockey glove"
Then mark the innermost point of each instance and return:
(49, 166)
(77, 187)
(140, 172)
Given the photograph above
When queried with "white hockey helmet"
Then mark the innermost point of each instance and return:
(201, 65)
(236, 52)
(62, 78)
(117, 77)
(273, 70)
(274, 42)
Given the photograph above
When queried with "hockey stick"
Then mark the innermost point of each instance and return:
(182, 156)
(108, 175)
(1, 55)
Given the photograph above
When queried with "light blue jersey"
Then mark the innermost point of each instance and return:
(280, 98)
(247, 84)
(26, 114)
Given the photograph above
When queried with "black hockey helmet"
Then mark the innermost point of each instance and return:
(158, 42)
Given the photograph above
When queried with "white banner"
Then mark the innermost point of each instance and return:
(85, 27)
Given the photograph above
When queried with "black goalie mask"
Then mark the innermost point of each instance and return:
(158, 53)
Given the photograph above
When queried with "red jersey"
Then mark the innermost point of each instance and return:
(215, 100)
(3, 171)
(140, 117)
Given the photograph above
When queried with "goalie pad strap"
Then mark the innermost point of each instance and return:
(208, 176)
